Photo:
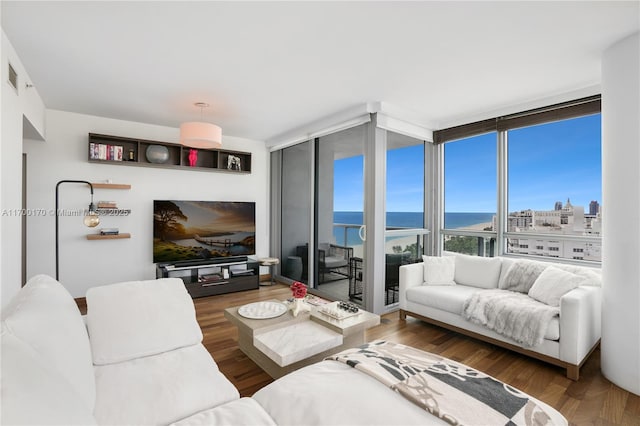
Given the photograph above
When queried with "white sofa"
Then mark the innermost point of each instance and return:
(569, 338)
(144, 364)
(138, 360)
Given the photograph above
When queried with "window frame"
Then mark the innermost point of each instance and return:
(501, 125)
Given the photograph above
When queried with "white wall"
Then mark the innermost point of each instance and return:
(16, 106)
(84, 263)
(620, 347)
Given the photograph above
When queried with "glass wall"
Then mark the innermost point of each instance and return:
(405, 187)
(295, 211)
(532, 187)
(555, 189)
(470, 191)
(340, 214)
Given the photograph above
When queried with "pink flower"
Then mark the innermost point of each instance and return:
(298, 290)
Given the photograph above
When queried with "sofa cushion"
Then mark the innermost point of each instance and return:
(439, 270)
(592, 277)
(452, 298)
(446, 298)
(331, 262)
(35, 393)
(475, 271)
(242, 412)
(552, 284)
(44, 315)
(160, 389)
(521, 275)
(160, 310)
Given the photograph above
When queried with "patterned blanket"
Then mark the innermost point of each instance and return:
(449, 390)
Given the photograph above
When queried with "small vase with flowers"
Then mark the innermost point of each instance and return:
(299, 291)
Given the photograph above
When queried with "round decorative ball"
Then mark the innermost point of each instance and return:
(157, 154)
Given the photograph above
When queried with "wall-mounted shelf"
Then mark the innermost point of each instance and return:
(110, 212)
(107, 237)
(99, 185)
(106, 149)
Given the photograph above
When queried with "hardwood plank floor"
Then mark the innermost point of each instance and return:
(592, 400)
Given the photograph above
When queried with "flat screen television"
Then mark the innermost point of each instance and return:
(201, 230)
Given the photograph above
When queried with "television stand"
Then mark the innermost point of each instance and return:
(209, 277)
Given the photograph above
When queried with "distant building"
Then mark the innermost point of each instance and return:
(564, 219)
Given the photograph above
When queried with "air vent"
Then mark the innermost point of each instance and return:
(13, 77)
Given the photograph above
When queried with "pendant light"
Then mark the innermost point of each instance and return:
(199, 134)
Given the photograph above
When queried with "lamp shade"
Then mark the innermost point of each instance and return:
(197, 134)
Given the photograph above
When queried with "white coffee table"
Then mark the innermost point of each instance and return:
(286, 343)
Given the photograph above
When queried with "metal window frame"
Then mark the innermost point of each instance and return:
(502, 125)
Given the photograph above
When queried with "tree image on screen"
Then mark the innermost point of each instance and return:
(187, 230)
(166, 215)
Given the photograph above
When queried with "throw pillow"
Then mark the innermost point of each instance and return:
(552, 284)
(475, 271)
(521, 275)
(439, 270)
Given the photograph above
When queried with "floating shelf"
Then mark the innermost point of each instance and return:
(107, 237)
(123, 151)
(98, 185)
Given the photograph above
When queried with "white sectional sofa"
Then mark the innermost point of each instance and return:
(438, 290)
(137, 359)
(144, 364)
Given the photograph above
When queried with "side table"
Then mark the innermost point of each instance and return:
(270, 262)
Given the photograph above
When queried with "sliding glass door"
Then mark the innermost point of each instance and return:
(295, 210)
(339, 217)
(330, 223)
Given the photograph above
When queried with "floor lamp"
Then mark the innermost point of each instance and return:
(91, 219)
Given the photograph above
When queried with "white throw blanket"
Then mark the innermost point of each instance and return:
(511, 314)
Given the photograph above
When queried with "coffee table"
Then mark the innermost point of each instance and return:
(286, 343)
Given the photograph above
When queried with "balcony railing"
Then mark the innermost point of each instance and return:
(403, 246)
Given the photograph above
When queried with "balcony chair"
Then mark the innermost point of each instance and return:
(392, 274)
(332, 258)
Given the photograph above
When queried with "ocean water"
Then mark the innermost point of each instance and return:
(403, 220)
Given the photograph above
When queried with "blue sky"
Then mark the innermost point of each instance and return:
(547, 163)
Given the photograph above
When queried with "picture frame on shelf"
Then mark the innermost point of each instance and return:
(234, 163)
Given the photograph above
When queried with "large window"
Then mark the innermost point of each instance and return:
(470, 192)
(555, 188)
(545, 167)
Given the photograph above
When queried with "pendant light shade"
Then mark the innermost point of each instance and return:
(198, 134)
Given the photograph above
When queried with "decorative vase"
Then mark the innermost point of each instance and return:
(193, 157)
(299, 306)
(157, 154)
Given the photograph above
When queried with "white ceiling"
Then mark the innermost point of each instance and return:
(268, 67)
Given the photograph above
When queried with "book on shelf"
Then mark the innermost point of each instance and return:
(101, 151)
(210, 278)
(109, 231)
(107, 205)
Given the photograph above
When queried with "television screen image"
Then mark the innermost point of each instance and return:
(191, 230)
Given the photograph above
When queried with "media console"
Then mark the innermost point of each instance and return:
(214, 276)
